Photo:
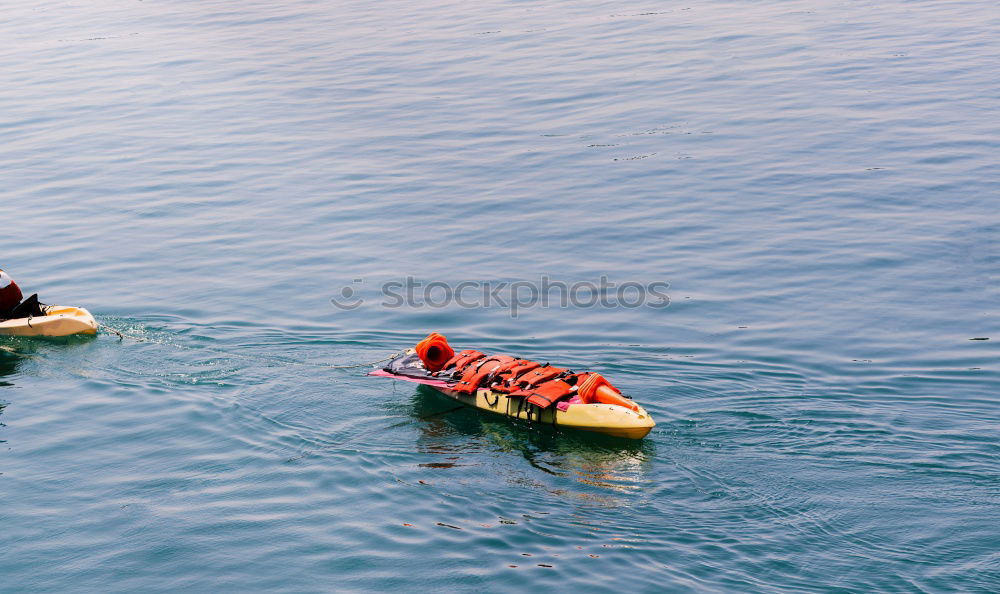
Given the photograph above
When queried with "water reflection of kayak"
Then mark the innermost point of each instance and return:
(57, 321)
(521, 389)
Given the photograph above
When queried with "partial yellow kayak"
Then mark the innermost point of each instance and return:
(521, 389)
(58, 321)
(600, 418)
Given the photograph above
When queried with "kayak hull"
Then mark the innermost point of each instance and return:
(57, 321)
(599, 418)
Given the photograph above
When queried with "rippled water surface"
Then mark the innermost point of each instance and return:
(817, 181)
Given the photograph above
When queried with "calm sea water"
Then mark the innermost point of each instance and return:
(817, 180)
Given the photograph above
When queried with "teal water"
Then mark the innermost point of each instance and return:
(817, 181)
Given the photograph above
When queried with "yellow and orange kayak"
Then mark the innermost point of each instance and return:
(521, 389)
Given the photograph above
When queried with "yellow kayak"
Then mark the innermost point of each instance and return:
(521, 389)
(57, 321)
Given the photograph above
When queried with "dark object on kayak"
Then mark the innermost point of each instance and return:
(30, 307)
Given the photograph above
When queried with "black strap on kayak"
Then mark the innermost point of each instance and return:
(487, 397)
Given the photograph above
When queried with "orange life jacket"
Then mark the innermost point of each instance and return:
(537, 384)
(545, 394)
(462, 359)
(523, 384)
(475, 373)
(506, 377)
(498, 375)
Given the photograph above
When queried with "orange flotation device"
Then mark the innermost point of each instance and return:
(546, 393)
(541, 385)
(459, 361)
(597, 389)
(523, 385)
(507, 377)
(434, 351)
(474, 374)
